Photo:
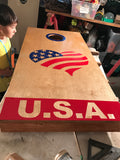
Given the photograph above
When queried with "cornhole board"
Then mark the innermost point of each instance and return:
(58, 86)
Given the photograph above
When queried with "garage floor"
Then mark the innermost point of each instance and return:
(45, 145)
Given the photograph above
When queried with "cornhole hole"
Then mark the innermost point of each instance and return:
(58, 86)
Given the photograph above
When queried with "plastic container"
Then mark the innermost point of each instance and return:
(84, 9)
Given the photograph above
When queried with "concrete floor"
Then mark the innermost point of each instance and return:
(45, 145)
(37, 146)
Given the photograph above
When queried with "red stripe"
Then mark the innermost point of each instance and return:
(60, 66)
(68, 52)
(76, 54)
(71, 70)
(50, 62)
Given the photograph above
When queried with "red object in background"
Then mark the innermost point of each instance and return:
(51, 20)
(117, 64)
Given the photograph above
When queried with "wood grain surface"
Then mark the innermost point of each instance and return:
(72, 82)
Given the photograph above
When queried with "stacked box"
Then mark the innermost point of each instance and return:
(84, 9)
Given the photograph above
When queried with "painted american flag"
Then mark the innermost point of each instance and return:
(68, 60)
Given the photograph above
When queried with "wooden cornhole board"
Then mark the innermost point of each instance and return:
(58, 86)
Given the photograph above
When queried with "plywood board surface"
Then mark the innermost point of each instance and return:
(34, 80)
(56, 68)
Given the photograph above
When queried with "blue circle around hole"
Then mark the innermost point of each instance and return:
(50, 34)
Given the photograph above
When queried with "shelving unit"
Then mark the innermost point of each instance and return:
(85, 19)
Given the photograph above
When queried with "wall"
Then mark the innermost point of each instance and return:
(27, 16)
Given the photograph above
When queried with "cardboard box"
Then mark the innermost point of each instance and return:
(117, 19)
